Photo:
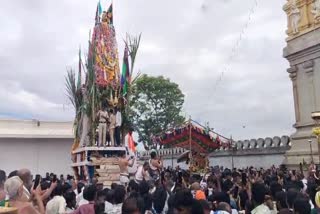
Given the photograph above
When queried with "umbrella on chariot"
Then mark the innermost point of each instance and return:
(198, 139)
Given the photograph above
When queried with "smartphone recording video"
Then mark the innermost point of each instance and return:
(54, 179)
(37, 181)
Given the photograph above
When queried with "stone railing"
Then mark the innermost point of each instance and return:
(163, 152)
(261, 145)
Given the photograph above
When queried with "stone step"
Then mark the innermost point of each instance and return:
(107, 167)
(110, 177)
(110, 171)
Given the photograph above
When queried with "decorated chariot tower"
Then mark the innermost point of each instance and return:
(101, 103)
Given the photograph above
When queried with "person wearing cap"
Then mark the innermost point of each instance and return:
(14, 189)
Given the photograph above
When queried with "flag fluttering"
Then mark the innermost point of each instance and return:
(125, 75)
(97, 18)
(110, 14)
(99, 8)
(131, 143)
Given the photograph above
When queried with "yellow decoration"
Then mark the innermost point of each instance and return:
(8, 210)
(198, 163)
(317, 199)
(316, 131)
(113, 100)
(303, 17)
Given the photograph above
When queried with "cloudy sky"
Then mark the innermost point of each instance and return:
(188, 41)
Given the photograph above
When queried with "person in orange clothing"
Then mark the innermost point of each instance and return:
(131, 143)
(200, 195)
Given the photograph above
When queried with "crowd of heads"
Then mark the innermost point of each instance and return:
(249, 190)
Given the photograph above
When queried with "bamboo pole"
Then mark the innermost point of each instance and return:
(190, 140)
(232, 152)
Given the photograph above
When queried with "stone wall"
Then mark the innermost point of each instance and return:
(257, 153)
(259, 157)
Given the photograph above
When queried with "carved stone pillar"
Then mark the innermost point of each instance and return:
(293, 76)
(309, 68)
(303, 53)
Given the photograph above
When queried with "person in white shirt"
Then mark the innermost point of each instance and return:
(70, 197)
(142, 173)
(57, 205)
(119, 196)
(109, 200)
(118, 126)
(258, 196)
(112, 127)
(79, 192)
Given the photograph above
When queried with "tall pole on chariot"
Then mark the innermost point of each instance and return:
(232, 152)
(190, 141)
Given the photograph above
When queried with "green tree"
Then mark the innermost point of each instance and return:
(73, 89)
(156, 105)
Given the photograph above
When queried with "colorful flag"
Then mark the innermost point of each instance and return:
(97, 15)
(99, 8)
(125, 75)
(110, 14)
(131, 143)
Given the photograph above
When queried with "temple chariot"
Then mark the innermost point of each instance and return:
(100, 95)
(198, 140)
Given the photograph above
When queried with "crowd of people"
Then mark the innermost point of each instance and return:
(158, 190)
